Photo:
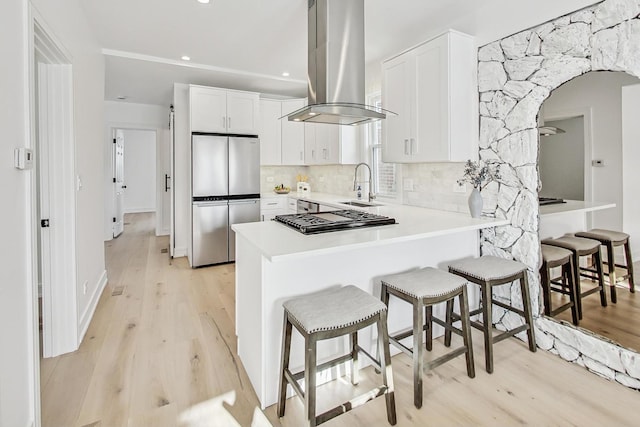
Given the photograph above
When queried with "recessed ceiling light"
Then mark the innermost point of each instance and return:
(312, 114)
(285, 74)
(296, 120)
(203, 1)
(186, 58)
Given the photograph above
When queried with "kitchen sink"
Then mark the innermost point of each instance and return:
(360, 204)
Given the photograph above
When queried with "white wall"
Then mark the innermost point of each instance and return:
(64, 18)
(129, 115)
(630, 169)
(561, 160)
(139, 170)
(601, 92)
(182, 173)
(16, 309)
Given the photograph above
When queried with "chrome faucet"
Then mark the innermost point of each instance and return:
(355, 180)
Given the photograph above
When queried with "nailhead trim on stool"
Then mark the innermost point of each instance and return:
(489, 271)
(332, 313)
(423, 289)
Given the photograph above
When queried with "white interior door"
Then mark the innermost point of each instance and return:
(118, 182)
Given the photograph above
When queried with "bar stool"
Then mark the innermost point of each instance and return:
(423, 289)
(552, 257)
(610, 240)
(579, 247)
(487, 272)
(328, 314)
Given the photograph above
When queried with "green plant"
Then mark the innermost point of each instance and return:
(479, 174)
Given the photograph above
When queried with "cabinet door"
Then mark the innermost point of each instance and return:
(429, 141)
(397, 82)
(293, 134)
(208, 109)
(310, 144)
(327, 144)
(243, 113)
(270, 132)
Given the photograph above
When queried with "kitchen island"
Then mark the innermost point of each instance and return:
(568, 217)
(275, 262)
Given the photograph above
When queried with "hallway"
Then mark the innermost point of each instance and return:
(162, 340)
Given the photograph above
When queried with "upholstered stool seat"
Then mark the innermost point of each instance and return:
(553, 257)
(424, 288)
(332, 313)
(579, 247)
(611, 239)
(489, 271)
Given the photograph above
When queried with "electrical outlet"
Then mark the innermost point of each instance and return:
(459, 188)
(84, 287)
(269, 179)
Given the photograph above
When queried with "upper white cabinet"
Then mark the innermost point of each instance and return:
(433, 89)
(270, 132)
(332, 144)
(292, 134)
(224, 111)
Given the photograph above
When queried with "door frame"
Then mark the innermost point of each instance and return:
(109, 170)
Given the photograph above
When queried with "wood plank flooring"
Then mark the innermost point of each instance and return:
(162, 340)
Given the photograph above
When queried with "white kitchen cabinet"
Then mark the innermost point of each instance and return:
(272, 206)
(217, 110)
(292, 134)
(432, 88)
(326, 144)
(270, 132)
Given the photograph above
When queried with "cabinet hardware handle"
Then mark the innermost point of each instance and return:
(228, 122)
(406, 150)
(166, 183)
(224, 121)
(412, 146)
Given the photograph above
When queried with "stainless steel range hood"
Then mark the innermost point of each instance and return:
(336, 65)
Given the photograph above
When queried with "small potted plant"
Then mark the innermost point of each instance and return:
(478, 174)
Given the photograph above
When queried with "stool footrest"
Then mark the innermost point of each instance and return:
(444, 358)
(406, 350)
(448, 327)
(326, 365)
(561, 308)
(291, 379)
(351, 404)
(507, 334)
(508, 307)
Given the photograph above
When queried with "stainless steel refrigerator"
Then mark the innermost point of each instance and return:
(225, 185)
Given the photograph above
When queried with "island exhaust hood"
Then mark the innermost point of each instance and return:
(336, 65)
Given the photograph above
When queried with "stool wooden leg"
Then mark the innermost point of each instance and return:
(526, 307)
(310, 369)
(429, 322)
(284, 365)
(575, 260)
(418, 362)
(448, 321)
(546, 288)
(567, 270)
(466, 332)
(487, 323)
(355, 366)
(627, 256)
(600, 270)
(386, 370)
(612, 272)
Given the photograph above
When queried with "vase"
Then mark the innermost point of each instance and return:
(475, 203)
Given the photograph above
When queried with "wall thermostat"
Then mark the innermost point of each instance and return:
(23, 158)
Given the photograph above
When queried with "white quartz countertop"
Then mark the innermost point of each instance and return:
(277, 241)
(574, 206)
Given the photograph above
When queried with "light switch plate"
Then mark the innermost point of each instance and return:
(269, 179)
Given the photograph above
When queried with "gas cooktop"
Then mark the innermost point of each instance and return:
(323, 222)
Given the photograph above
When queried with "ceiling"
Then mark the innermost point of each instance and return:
(248, 44)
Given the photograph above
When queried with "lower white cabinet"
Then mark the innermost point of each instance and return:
(272, 206)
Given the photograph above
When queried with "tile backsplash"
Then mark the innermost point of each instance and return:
(428, 185)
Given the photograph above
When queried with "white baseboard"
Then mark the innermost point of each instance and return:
(179, 252)
(86, 317)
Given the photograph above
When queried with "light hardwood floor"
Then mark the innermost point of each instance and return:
(162, 340)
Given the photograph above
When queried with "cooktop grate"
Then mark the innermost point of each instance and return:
(323, 222)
